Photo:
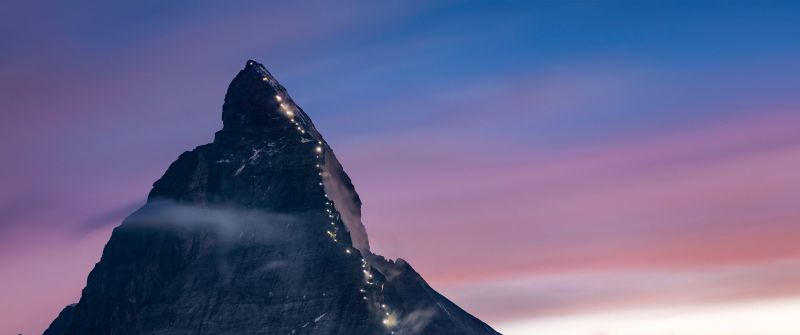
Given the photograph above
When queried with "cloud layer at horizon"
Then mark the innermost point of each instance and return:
(531, 161)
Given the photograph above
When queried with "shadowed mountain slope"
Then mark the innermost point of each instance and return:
(258, 232)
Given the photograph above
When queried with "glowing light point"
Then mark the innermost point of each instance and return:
(277, 97)
(319, 149)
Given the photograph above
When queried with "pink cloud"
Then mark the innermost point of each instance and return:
(546, 295)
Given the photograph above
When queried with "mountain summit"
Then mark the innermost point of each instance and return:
(258, 232)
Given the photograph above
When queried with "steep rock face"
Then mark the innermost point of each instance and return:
(258, 232)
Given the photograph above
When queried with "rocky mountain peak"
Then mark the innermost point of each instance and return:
(258, 232)
(256, 104)
(258, 109)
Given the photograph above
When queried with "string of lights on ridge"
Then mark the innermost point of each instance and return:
(389, 318)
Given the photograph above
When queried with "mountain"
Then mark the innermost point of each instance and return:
(258, 232)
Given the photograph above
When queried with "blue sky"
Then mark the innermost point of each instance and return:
(614, 140)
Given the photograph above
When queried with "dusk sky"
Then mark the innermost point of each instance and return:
(558, 168)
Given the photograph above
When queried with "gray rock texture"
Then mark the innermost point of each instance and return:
(258, 232)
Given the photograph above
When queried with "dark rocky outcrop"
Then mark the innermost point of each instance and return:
(62, 321)
(258, 232)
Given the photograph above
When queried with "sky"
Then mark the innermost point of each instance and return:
(553, 167)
